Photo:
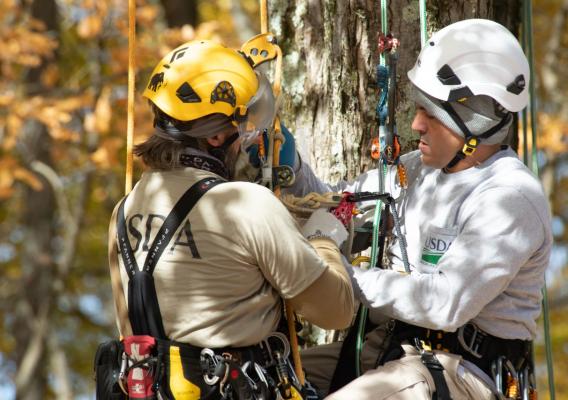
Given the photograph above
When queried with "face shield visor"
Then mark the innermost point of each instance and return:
(261, 110)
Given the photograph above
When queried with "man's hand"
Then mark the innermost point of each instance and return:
(323, 224)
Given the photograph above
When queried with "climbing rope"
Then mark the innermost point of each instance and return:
(273, 157)
(131, 84)
(303, 207)
(527, 39)
(423, 32)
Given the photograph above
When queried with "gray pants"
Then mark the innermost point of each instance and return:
(402, 379)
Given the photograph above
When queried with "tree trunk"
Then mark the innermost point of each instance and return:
(180, 12)
(329, 81)
(38, 265)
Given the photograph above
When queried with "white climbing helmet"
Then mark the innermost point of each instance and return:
(473, 57)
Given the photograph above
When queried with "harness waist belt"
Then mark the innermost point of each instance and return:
(470, 342)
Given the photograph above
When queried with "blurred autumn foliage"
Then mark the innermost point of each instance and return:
(62, 136)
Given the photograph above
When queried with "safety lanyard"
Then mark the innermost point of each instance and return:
(143, 309)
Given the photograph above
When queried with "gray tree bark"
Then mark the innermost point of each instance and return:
(329, 81)
(38, 265)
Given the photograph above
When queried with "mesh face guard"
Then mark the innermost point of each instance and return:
(259, 114)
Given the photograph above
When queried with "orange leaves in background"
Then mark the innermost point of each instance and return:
(553, 134)
(99, 120)
(108, 153)
(11, 172)
(90, 27)
(22, 44)
(55, 114)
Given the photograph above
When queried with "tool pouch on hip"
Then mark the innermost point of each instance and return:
(143, 365)
(107, 366)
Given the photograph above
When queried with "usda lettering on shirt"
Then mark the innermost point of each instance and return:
(437, 242)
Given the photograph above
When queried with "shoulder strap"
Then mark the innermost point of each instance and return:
(143, 308)
(175, 218)
(121, 308)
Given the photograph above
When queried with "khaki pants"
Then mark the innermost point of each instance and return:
(404, 379)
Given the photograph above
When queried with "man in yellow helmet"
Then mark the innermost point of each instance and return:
(200, 261)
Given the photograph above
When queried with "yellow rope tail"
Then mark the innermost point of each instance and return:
(263, 16)
(359, 260)
(130, 107)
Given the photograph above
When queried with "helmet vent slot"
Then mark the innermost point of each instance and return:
(447, 77)
(517, 85)
(187, 95)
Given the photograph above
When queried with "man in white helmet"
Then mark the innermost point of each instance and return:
(477, 227)
(200, 261)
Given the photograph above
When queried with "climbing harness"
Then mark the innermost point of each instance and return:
(268, 376)
(154, 364)
(507, 361)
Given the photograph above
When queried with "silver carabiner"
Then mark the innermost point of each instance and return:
(122, 373)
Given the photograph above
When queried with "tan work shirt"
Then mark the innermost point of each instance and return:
(220, 280)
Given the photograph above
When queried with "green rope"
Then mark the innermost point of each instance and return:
(374, 251)
(528, 44)
(423, 32)
(376, 218)
(384, 27)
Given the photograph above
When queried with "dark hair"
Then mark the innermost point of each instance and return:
(163, 154)
(162, 150)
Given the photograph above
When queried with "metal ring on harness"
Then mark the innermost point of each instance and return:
(208, 356)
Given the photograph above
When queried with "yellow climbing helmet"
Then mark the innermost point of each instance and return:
(200, 78)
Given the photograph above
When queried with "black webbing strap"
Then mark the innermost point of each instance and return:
(442, 392)
(143, 308)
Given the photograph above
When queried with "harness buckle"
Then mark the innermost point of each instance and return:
(470, 146)
(475, 340)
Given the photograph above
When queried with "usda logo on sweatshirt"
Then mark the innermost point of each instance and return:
(437, 242)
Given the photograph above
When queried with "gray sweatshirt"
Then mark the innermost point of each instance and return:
(479, 241)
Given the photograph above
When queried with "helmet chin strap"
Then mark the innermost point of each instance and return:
(471, 141)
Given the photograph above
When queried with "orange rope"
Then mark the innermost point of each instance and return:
(263, 16)
(290, 317)
(131, 81)
(277, 143)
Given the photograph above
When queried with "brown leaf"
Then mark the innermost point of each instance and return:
(28, 178)
(90, 27)
(106, 155)
(103, 112)
(147, 15)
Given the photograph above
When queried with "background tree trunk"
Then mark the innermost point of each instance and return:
(38, 221)
(329, 70)
(180, 12)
